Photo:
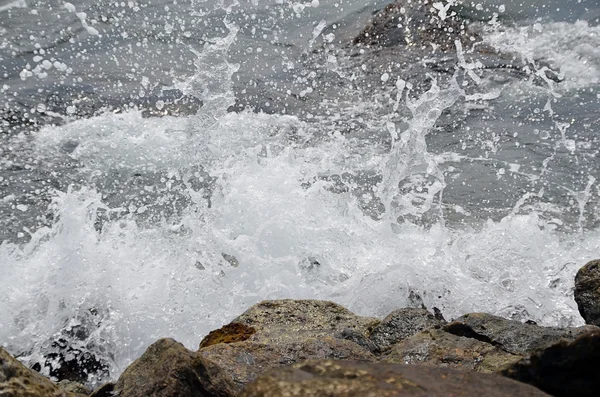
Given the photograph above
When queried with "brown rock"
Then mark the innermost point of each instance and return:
(315, 317)
(358, 379)
(166, 369)
(16, 380)
(512, 336)
(236, 364)
(566, 369)
(587, 292)
(283, 332)
(436, 348)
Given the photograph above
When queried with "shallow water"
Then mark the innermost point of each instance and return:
(286, 164)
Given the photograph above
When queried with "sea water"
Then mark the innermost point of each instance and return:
(332, 179)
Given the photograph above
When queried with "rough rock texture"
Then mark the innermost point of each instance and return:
(166, 369)
(401, 324)
(349, 379)
(512, 336)
(566, 369)
(16, 380)
(310, 317)
(74, 387)
(414, 23)
(276, 333)
(587, 292)
(436, 348)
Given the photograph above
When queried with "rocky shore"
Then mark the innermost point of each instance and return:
(318, 348)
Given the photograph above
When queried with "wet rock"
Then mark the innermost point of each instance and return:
(415, 23)
(283, 332)
(106, 390)
(401, 324)
(436, 348)
(75, 354)
(16, 380)
(566, 369)
(348, 379)
(512, 336)
(166, 369)
(587, 292)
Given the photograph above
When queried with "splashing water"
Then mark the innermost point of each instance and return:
(220, 210)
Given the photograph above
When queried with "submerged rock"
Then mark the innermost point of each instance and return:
(283, 332)
(401, 324)
(349, 378)
(512, 336)
(16, 380)
(436, 348)
(415, 23)
(166, 369)
(566, 369)
(587, 292)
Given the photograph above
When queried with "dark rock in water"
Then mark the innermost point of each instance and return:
(436, 348)
(277, 333)
(587, 292)
(401, 324)
(512, 336)
(415, 23)
(166, 369)
(106, 390)
(357, 379)
(73, 354)
(16, 380)
(566, 369)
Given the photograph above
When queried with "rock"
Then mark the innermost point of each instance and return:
(283, 332)
(436, 348)
(310, 317)
(414, 23)
(166, 369)
(74, 387)
(512, 336)
(349, 379)
(587, 292)
(566, 369)
(401, 324)
(16, 380)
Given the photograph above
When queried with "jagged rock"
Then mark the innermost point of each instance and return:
(512, 336)
(415, 23)
(437, 348)
(566, 369)
(16, 380)
(166, 369)
(587, 292)
(357, 379)
(401, 324)
(276, 333)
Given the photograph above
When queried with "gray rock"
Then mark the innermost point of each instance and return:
(437, 348)
(587, 292)
(512, 336)
(401, 324)
(566, 369)
(359, 379)
(414, 23)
